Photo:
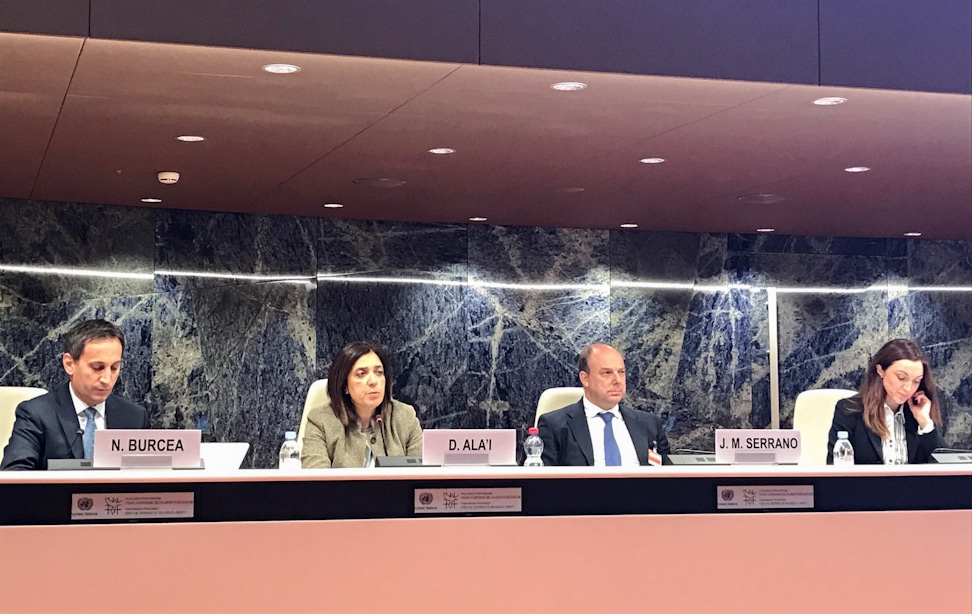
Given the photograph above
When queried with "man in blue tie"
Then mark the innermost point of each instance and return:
(62, 423)
(598, 431)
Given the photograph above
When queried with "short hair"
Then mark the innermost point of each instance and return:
(337, 382)
(872, 388)
(585, 355)
(85, 331)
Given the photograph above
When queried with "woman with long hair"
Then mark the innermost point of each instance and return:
(360, 420)
(895, 416)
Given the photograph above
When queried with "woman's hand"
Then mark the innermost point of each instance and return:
(920, 408)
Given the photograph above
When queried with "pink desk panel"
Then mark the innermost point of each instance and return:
(918, 561)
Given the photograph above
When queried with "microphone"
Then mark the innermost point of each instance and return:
(75, 440)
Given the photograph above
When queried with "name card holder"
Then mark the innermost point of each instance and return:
(147, 449)
(757, 446)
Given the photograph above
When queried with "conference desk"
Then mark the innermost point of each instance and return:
(582, 540)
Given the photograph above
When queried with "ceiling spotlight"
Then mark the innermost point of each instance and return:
(281, 69)
(385, 183)
(477, 219)
(333, 205)
(857, 169)
(151, 200)
(912, 234)
(568, 86)
(761, 199)
(629, 225)
(441, 151)
(829, 101)
(765, 230)
(190, 138)
(651, 160)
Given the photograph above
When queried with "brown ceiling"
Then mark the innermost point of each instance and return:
(90, 120)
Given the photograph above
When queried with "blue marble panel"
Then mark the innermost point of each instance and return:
(240, 357)
(31, 346)
(108, 249)
(788, 244)
(392, 249)
(239, 248)
(402, 286)
(537, 296)
(826, 340)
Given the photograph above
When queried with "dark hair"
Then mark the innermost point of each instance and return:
(337, 383)
(872, 389)
(585, 355)
(90, 330)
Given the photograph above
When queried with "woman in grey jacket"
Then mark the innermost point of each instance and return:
(361, 420)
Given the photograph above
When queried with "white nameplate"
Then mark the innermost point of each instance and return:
(754, 446)
(132, 505)
(764, 497)
(469, 447)
(463, 500)
(146, 448)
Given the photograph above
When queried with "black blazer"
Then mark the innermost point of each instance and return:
(868, 447)
(47, 427)
(567, 440)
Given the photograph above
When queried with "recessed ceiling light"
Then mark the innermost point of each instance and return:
(651, 160)
(857, 169)
(477, 219)
(761, 199)
(386, 183)
(151, 200)
(829, 101)
(190, 138)
(441, 151)
(568, 86)
(570, 190)
(912, 234)
(333, 205)
(765, 230)
(629, 225)
(281, 69)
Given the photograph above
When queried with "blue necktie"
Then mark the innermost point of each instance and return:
(612, 454)
(87, 440)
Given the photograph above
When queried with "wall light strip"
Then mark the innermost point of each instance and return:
(479, 283)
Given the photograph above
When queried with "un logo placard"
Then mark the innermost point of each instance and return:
(85, 503)
(425, 498)
(727, 494)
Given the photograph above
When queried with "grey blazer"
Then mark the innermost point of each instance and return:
(327, 445)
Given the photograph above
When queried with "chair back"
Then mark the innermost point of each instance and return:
(555, 398)
(10, 398)
(813, 415)
(316, 396)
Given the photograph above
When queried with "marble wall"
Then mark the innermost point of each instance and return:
(230, 317)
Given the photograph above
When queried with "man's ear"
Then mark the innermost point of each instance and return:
(68, 363)
(584, 378)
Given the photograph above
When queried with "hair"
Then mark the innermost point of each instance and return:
(83, 332)
(585, 355)
(337, 383)
(872, 389)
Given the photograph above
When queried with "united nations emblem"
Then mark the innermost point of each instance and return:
(85, 503)
(425, 498)
(727, 494)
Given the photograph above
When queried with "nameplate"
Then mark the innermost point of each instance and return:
(132, 505)
(467, 500)
(469, 447)
(146, 448)
(757, 446)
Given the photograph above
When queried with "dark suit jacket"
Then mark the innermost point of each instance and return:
(47, 427)
(849, 416)
(567, 440)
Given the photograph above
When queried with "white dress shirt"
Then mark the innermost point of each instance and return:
(80, 406)
(629, 458)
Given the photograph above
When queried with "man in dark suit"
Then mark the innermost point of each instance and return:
(61, 423)
(597, 430)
